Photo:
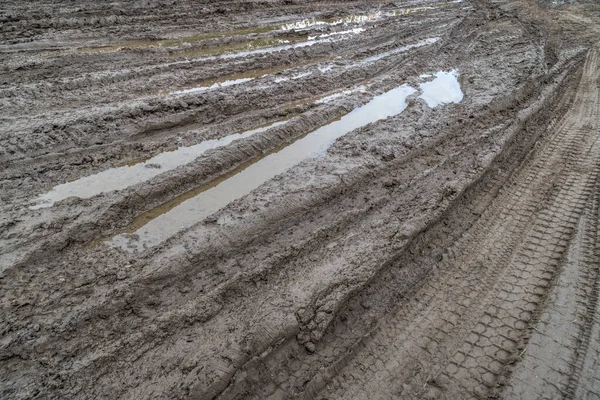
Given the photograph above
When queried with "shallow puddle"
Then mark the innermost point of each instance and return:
(443, 89)
(189, 209)
(130, 174)
(358, 19)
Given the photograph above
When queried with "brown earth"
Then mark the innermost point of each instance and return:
(446, 252)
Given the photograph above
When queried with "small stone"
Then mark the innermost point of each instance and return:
(310, 347)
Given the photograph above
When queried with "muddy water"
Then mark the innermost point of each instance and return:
(443, 89)
(354, 31)
(130, 174)
(221, 48)
(190, 211)
(406, 11)
(356, 19)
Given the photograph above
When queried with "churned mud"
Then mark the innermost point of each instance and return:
(300, 200)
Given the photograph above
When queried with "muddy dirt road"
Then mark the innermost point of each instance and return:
(299, 200)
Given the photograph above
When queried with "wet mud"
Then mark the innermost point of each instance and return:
(299, 200)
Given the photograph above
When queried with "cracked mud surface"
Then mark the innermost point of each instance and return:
(439, 250)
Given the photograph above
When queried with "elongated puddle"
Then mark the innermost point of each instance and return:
(157, 225)
(128, 175)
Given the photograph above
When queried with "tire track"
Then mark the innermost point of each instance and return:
(485, 325)
(558, 357)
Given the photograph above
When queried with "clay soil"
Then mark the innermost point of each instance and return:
(443, 252)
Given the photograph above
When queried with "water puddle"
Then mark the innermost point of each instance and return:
(443, 89)
(130, 174)
(358, 19)
(187, 210)
(406, 11)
